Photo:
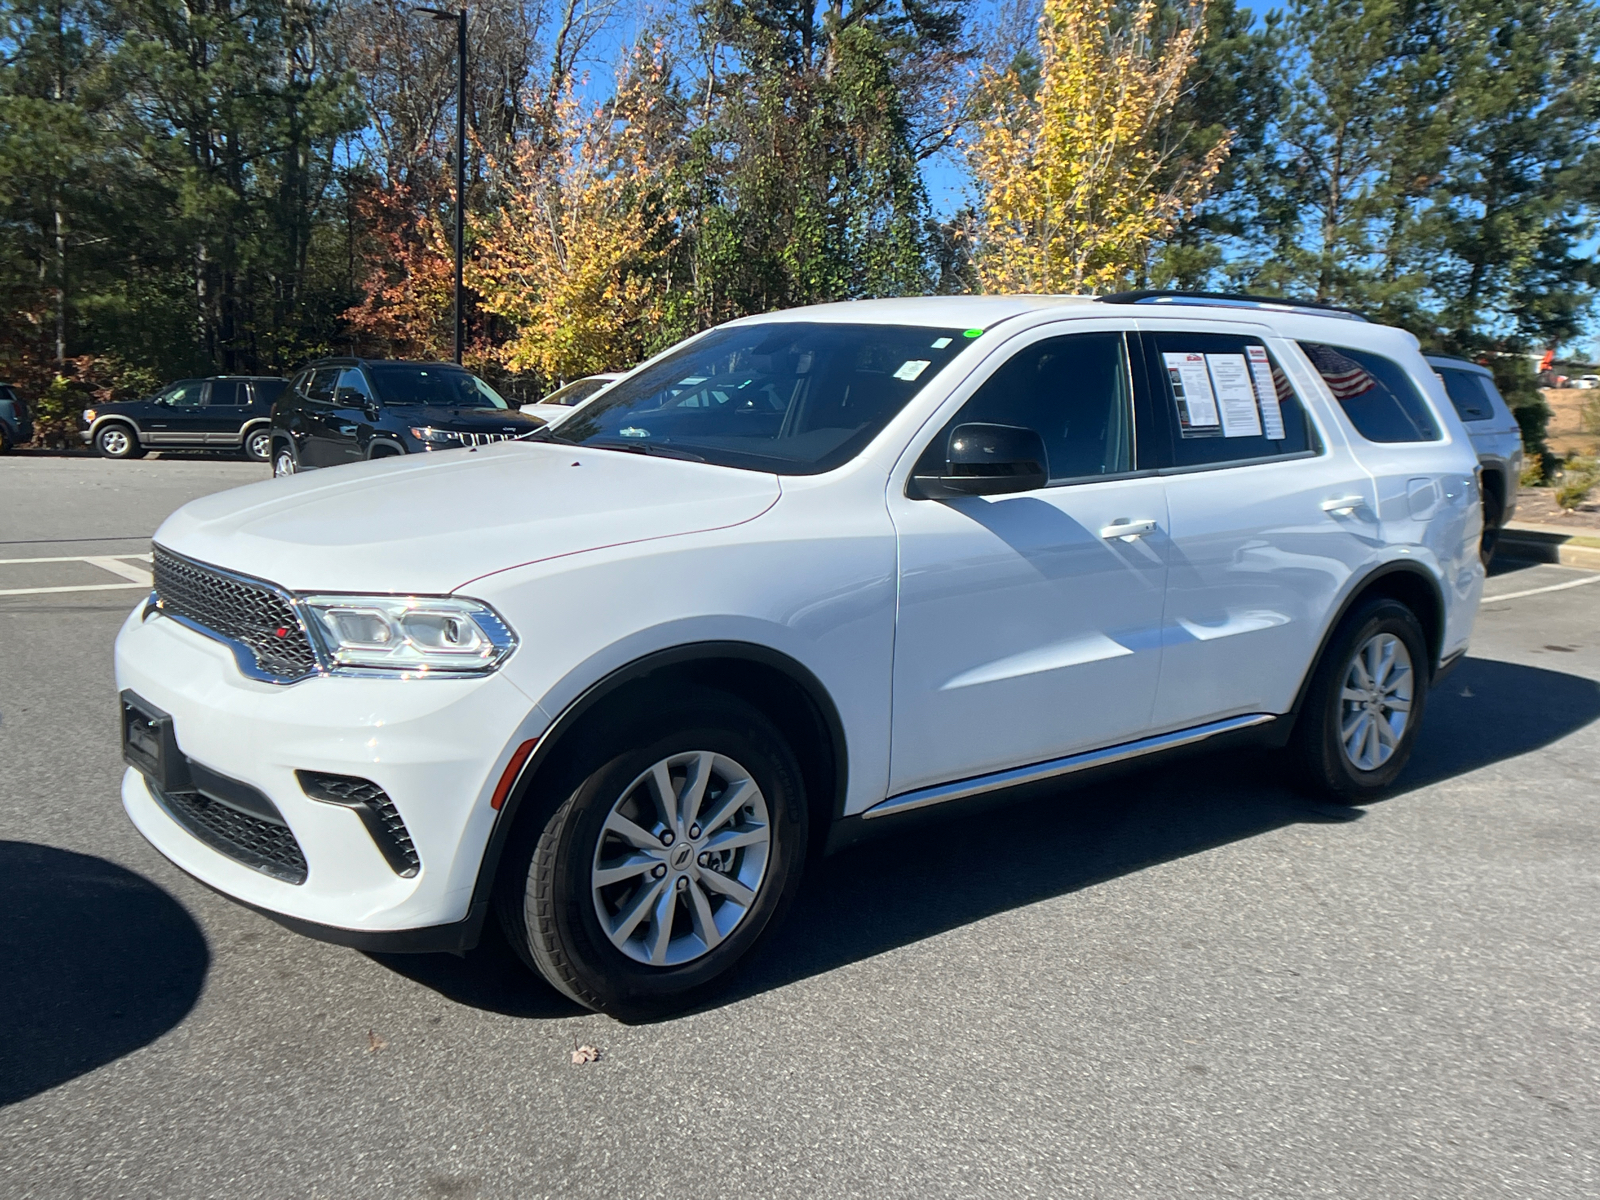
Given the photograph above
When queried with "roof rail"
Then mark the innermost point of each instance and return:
(1231, 300)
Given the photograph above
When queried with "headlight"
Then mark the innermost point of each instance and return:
(436, 437)
(89, 415)
(422, 634)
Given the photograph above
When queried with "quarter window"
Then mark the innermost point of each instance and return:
(1375, 393)
(1073, 391)
(1225, 399)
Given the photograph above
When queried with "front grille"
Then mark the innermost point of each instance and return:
(482, 439)
(253, 614)
(268, 846)
(377, 812)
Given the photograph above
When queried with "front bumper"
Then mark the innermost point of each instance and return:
(436, 746)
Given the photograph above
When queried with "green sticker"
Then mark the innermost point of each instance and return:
(973, 333)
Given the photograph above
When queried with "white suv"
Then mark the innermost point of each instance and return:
(815, 571)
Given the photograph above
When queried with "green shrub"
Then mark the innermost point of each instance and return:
(1575, 481)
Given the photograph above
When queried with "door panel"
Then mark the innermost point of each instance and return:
(1260, 549)
(1027, 628)
(322, 445)
(227, 403)
(176, 415)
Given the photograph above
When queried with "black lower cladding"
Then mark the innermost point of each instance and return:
(377, 812)
(252, 832)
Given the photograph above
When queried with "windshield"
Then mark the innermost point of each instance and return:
(434, 385)
(575, 392)
(793, 398)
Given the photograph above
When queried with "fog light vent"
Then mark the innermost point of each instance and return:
(377, 812)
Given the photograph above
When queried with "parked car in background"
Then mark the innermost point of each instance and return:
(222, 412)
(1495, 435)
(564, 399)
(344, 410)
(16, 427)
(817, 572)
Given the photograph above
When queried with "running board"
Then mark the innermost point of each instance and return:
(938, 794)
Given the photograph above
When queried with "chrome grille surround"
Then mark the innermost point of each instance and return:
(260, 622)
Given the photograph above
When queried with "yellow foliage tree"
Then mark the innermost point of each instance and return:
(575, 259)
(1078, 179)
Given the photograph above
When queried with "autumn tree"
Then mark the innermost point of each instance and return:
(575, 262)
(1080, 173)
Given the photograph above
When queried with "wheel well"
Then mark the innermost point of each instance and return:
(1410, 587)
(784, 692)
(1494, 483)
(108, 422)
(384, 450)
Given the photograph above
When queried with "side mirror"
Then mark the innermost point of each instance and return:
(987, 460)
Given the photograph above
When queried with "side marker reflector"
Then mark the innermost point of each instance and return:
(513, 769)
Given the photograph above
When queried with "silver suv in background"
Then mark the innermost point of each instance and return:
(1495, 435)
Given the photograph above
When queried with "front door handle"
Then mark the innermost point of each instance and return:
(1344, 505)
(1128, 530)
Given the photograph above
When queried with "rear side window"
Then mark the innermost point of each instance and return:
(1375, 393)
(1467, 392)
(1223, 398)
(1073, 391)
(230, 392)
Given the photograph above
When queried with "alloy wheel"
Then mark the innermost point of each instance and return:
(681, 858)
(114, 441)
(283, 464)
(259, 445)
(1375, 703)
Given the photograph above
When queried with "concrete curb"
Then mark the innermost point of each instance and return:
(1550, 544)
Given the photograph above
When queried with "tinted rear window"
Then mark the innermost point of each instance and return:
(1375, 393)
(1466, 392)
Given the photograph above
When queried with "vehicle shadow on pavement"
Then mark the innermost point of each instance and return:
(917, 883)
(95, 962)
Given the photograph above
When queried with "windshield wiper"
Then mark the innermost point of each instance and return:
(652, 448)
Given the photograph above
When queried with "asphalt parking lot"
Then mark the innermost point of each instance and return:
(1191, 981)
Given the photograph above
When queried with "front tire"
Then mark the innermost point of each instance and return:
(1359, 723)
(664, 863)
(117, 441)
(1493, 515)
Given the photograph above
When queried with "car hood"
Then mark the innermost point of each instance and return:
(431, 523)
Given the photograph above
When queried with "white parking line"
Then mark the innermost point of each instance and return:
(116, 564)
(1554, 587)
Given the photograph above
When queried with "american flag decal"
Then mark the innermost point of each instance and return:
(1345, 377)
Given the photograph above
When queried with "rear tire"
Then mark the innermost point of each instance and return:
(644, 921)
(258, 445)
(283, 462)
(1359, 722)
(1493, 514)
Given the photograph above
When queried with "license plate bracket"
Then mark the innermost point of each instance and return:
(150, 744)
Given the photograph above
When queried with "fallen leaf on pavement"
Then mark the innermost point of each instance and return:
(374, 1042)
(585, 1054)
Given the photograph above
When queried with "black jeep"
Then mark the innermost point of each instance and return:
(342, 410)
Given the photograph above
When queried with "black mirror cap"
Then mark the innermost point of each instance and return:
(988, 460)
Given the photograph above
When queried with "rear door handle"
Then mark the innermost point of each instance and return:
(1128, 530)
(1344, 504)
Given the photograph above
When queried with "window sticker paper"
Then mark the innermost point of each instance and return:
(940, 343)
(1266, 393)
(1191, 388)
(912, 367)
(1237, 399)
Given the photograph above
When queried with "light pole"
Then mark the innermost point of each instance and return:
(460, 18)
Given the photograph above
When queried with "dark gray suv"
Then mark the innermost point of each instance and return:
(15, 426)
